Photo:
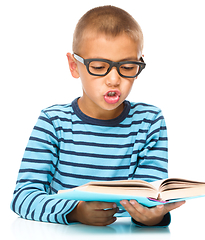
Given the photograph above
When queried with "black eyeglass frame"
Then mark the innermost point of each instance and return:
(112, 64)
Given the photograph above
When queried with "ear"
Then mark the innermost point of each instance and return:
(72, 65)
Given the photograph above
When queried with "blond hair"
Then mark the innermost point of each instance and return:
(108, 20)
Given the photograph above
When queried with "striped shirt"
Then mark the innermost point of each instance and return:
(67, 149)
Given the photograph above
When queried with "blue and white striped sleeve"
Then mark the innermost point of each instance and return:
(153, 158)
(31, 198)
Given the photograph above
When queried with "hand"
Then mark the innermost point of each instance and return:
(148, 216)
(93, 213)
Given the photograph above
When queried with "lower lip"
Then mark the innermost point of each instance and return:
(112, 99)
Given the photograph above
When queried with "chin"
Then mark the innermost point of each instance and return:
(110, 107)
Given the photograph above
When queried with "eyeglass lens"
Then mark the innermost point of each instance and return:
(101, 68)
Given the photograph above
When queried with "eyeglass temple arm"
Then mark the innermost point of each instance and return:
(80, 59)
(142, 60)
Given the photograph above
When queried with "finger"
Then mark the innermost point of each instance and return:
(141, 209)
(171, 206)
(102, 205)
(106, 213)
(132, 209)
(143, 213)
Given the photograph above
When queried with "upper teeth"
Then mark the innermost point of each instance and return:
(111, 94)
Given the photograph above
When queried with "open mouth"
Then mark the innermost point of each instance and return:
(112, 97)
(111, 94)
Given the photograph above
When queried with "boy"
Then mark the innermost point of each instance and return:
(99, 136)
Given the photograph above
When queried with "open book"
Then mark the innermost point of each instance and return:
(149, 194)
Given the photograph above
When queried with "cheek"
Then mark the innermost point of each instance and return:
(82, 71)
(84, 77)
(128, 86)
(91, 84)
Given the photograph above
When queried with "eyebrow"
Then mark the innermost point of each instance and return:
(121, 60)
(129, 59)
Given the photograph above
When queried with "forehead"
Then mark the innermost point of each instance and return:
(111, 48)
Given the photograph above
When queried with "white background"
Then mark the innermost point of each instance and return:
(34, 39)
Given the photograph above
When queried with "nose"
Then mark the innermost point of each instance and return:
(113, 78)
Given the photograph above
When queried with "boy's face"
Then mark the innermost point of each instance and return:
(97, 101)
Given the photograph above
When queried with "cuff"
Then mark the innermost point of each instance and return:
(164, 223)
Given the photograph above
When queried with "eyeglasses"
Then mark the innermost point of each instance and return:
(101, 67)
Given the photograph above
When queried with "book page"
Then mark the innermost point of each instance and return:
(182, 193)
(180, 188)
(157, 184)
(178, 183)
(172, 188)
(123, 191)
(125, 183)
(124, 187)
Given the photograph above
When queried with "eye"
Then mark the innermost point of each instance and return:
(97, 67)
(127, 68)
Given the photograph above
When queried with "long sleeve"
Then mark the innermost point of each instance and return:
(32, 199)
(153, 157)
